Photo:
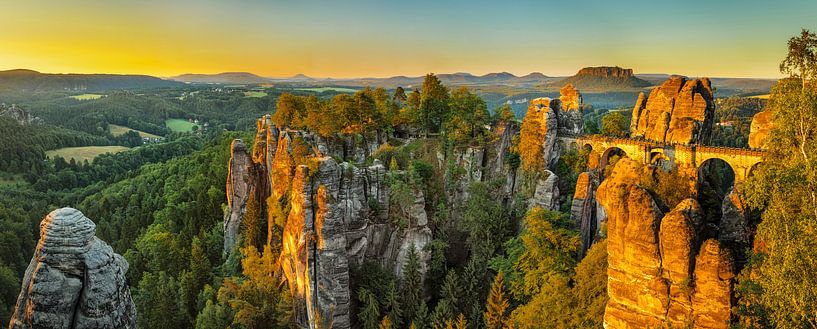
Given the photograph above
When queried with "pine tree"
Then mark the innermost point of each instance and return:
(443, 313)
(412, 289)
(393, 304)
(496, 305)
(451, 291)
(369, 313)
(422, 318)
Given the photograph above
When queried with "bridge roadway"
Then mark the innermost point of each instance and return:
(741, 160)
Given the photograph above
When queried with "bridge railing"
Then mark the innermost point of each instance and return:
(657, 144)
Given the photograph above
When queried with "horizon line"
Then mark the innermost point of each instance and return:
(169, 77)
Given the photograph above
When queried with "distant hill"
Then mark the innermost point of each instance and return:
(224, 78)
(603, 78)
(28, 80)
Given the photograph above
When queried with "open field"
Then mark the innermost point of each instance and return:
(257, 94)
(322, 89)
(80, 154)
(179, 125)
(121, 130)
(87, 97)
(766, 96)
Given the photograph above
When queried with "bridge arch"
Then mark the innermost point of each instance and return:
(610, 153)
(718, 174)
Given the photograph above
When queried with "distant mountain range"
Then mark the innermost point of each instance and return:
(28, 80)
(390, 82)
(591, 79)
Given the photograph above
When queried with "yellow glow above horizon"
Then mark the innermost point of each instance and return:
(372, 40)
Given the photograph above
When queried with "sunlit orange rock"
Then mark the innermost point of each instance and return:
(677, 111)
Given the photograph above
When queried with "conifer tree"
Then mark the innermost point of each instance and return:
(412, 289)
(497, 304)
(369, 313)
(393, 304)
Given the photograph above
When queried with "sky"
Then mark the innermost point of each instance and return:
(344, 39)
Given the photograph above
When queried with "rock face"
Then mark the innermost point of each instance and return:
(570, 112)
(238, 179)
(761, 126)
(338, 215)
(660, 272)
(546, 192)
(17, 114)
(583, 209)
(541, 124)
(74, 279)
(678, 111)
(606, 71)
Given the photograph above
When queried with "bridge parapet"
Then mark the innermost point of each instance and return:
(742, 160)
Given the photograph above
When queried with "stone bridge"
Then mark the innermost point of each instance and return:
(741, 160)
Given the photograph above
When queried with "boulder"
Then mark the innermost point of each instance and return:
(74, 280)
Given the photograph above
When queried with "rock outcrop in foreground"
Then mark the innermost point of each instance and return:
(678, 111)
(74, 280)
(660, 273)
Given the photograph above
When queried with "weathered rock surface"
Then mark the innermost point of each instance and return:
(659, 273)
(679, 242)
(541, 121)
(74, 279)
(638, 293)
(583, 209)
(762, 125)
(238, 181)
(18, 114)
(546, 192)
(678, 111)
(711, 299)
(571, 121)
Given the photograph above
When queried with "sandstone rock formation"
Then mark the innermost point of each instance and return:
(17, 114)
(678, 111)
(539, 130)
(238, 179)
(570, 111)
(711, 299)
(762, 125)
(338, 214)
(74, 280)
(606, 71)
(660, 272)
(546, 192)
(583, 209)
